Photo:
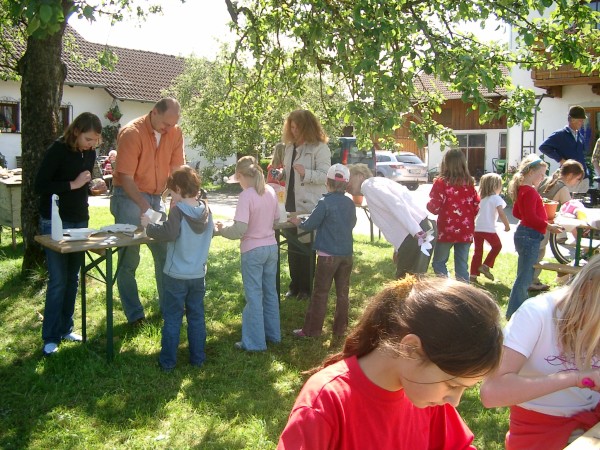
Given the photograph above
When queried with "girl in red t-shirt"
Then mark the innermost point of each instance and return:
(528, 207)
(455, 201)
(402, 371)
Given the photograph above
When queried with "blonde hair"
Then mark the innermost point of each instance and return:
(489, 184)
(530, 163)
(454, 169)
(578, 332)
(308, 125)
(249, 168)
(278, 152)
(360, 169)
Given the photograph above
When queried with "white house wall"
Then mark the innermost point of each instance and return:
(81, 99)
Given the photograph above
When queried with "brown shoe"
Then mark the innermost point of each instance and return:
(485, 270)
(138, 323)
(539, 287)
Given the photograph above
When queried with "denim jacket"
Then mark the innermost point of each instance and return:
(334, 218)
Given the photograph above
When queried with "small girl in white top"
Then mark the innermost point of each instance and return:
(491, 207)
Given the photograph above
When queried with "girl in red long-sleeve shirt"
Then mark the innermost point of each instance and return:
(528, 207)
(455, 201)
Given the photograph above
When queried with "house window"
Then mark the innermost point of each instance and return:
(473, 146)
(64, 118)
(502, 149)
(9, 117)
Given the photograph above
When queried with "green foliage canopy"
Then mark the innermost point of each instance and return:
(378, 49)
(227, 111)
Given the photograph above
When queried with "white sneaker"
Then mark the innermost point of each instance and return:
(72, 337)
(50, 348)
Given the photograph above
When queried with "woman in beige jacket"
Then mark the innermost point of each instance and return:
(306, 161)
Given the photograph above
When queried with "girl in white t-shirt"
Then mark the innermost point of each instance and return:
(255, 214)
(550, 369)
(490, 208)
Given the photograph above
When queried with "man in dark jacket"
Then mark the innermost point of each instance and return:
(569, 143)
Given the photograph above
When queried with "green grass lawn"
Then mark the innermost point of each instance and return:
(75, 399)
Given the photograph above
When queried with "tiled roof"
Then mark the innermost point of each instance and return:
(429, 82)
(138, 75)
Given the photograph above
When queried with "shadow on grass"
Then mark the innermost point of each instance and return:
(236, 400)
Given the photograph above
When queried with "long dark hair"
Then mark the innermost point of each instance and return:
(458, 325)
(83, 123)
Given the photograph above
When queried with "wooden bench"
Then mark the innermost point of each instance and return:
(589, 440)
(556, 267)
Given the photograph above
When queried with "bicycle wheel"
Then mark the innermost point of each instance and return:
(562, 247)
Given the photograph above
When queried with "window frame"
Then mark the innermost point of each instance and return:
(12, 124)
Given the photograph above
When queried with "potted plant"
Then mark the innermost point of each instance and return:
(550, 206)
(113, 114)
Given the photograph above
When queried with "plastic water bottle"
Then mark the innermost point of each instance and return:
(57, 228)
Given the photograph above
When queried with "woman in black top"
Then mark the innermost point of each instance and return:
(66, 171)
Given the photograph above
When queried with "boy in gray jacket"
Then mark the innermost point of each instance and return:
(188, 230)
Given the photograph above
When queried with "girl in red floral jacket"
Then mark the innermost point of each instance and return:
(454, 199)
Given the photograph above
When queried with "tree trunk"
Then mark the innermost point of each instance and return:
(43, 75)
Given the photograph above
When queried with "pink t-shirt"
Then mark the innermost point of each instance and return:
(259, 212)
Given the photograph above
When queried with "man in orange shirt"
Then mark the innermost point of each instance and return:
(149, 149)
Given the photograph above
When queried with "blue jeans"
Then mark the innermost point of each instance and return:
(527, 244)
(441, 254)
(125, 210)
(183, 296)
(260, 318)
(61, 292)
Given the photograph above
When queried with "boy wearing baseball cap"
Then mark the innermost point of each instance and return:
(333, 218)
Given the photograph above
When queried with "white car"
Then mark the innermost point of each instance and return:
(404, 167)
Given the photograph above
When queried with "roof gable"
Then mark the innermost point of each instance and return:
(139, 75)
(429, 83)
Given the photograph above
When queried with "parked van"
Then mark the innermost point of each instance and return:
(347, 152)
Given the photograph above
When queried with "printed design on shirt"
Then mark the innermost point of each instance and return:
(568, 364)
(456, 218)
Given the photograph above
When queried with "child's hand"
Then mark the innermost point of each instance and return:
(506, 227)
(554, 228)
(589, 379)
(295, 220)
(145, 220)
(218, 226)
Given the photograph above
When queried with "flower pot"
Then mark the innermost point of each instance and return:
(358, 200)
(551, 209)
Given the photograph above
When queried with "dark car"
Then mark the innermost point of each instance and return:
(347, 152)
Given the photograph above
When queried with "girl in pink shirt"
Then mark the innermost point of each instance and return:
(255, 214)
(455, 201)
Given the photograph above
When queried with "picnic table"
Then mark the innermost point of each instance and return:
(589, 440)
(99, 248)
